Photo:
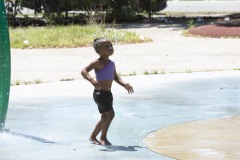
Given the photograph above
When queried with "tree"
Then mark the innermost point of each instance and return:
(66, 8)
(153, 5)
(12, 7)
(33, 4)
(37, 6)
(120, 10)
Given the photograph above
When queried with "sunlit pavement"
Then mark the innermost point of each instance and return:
(63, 114)
(203, 6)
(211, 139)
(170, 52)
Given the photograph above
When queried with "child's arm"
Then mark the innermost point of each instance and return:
(85, 74)
(127, 86)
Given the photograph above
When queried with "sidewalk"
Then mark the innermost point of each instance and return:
(170, 52)
(203, 6)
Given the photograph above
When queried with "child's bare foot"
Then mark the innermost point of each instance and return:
(104, 141)
(94, 140)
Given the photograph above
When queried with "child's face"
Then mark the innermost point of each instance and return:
(106, 48)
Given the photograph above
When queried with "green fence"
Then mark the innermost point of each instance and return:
(5, 65)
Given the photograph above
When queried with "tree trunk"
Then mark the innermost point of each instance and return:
(15, 13)
(66, 8)
(149, 9)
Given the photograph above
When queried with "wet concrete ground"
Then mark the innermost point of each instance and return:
(65, 114)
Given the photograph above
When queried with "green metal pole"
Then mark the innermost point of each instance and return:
(5, 65)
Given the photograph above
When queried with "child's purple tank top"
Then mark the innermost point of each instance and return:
(107, 73)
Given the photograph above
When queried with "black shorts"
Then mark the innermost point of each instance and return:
(104, 100)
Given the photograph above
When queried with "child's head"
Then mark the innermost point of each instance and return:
(99, 44)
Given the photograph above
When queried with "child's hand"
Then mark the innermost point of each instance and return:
(96, 84)
(129, 88)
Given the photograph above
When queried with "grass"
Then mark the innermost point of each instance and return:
(38, 81)
(18, 82)
(154, 72)
(189, 71)
(133, 73)
(68, 36)
(67, 79)
(146, 73)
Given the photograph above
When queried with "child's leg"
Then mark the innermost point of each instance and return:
(106, 121)
(95, 132)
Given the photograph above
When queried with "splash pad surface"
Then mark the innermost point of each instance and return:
(65, 114)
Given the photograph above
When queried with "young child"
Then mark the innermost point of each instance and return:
(105, 71)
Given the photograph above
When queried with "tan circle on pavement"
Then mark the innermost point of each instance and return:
(211, 139)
